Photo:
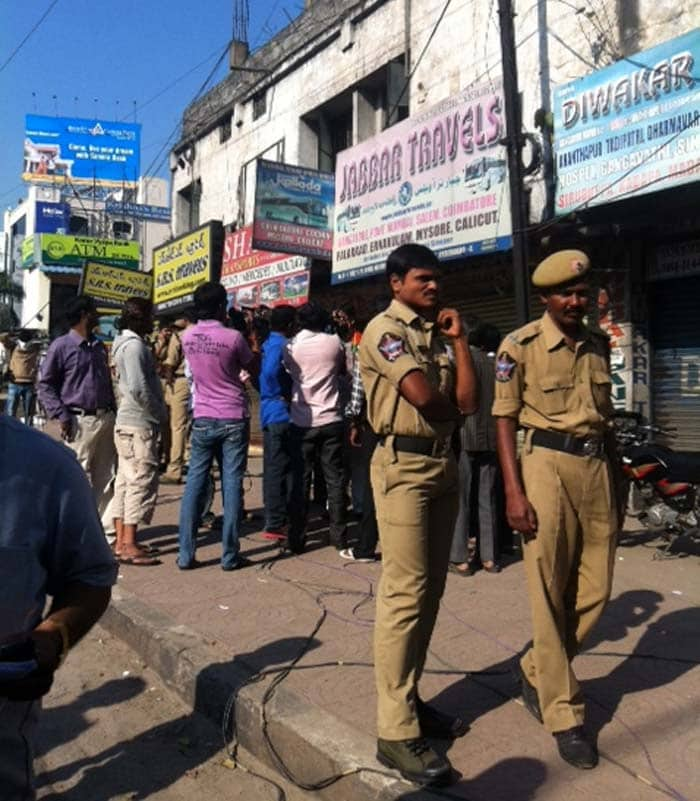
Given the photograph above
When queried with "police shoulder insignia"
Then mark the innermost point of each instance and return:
(505, 366)
(391, 347)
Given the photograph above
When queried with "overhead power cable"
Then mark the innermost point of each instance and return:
(26, 38)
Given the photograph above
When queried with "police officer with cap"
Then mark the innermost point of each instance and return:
(553, 380)
(415, 395)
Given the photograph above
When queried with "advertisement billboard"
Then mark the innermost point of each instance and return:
(259, 277)
(293, 210)
(439, 178)
(111, 286)
(182, 264)
(81, 152)
(631, 128)
(51, 218)
(73, 251)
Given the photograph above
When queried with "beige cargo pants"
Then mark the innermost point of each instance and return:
(416, 499)
(569, 568)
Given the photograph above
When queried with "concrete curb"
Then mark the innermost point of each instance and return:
(312, 743)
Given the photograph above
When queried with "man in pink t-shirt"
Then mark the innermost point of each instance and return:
(316, 361)
(215, 355)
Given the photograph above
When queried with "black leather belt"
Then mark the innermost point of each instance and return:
(567, 443)
(420, 445)
(86, 412)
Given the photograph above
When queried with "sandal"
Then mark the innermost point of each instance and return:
(454, 567)
(138, 560)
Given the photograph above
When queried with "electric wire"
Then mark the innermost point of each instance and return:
(27, 37)
(229, 724)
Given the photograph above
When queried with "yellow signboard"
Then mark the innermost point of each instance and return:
(111, 286)
(181, 265)
(75, 250)
(28, 251)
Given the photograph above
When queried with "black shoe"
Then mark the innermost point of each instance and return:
(193, 565)
(415, 760)
(576, 749)
(240, 562)
(439, 725)
(294, 545)
(530, 698)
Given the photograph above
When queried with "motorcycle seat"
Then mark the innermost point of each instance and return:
(683, 466)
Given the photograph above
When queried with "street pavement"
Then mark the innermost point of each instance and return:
(209, 632)
(112, 731)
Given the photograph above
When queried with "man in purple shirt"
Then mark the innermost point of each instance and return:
(75, 387)
(216, 356)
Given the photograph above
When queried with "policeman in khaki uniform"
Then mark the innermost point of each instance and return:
(553, 380)
(176, 391)
(415, 394)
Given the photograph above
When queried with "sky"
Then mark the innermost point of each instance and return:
(93, 59)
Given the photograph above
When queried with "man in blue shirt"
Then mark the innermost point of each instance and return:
(275, 394)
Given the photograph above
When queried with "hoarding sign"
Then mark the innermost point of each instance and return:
(138, 211)
(51, 218)
(81, 152)
(439, 179)
(30, 247)
(257, 277)
(677, 260)
(631, 128)
(75, 250)
(293, 210)
(111, 286)
(181, 265)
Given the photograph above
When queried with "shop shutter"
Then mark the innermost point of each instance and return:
(675, 338)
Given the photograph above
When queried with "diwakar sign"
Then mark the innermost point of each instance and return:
(181, 265)
(631, 128)
(439, 179)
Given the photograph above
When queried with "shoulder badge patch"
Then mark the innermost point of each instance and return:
(505, 367)
(391, 347)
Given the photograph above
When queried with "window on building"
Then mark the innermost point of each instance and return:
(188, 201)
(79, 225)
(121, 229)
(259, 104)
(225, 130)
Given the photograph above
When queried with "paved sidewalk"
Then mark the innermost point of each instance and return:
(207, 632)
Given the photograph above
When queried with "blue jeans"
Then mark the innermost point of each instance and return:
(24, 393)
(227, 441)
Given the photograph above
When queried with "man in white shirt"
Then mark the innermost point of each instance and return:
(316, 361)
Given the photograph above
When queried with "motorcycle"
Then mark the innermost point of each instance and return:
(665, 484)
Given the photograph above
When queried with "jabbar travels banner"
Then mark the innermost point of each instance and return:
(439, 179)
(259, 277)
(111, 286)
(631, 128)
(181, 265)
(293, 210)
(81, 152)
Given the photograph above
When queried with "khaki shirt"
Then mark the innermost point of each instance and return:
(544, 384)
(174, 357)
(395, 343)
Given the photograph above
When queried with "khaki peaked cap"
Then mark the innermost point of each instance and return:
(561, 267)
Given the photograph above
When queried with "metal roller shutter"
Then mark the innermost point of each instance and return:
(675, 337)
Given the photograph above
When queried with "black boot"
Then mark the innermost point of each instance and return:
(576, 749)
(415, 760)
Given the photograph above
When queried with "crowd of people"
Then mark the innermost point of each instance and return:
(407, 422)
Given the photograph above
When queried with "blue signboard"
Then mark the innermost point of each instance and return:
(293, 210)
(75, 151)
(631, 128)
(51, 218)
(138, 211)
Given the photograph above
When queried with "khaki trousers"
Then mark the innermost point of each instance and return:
(136, 485)
(93, 445)
(416, 500)
(569, 568)
(177, 397)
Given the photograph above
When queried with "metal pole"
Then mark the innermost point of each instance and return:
(515, 170)
(547, 109)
